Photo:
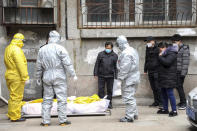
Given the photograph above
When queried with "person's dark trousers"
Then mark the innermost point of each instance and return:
(101, 87)
(153, 79)
(180, 89)
(168, 94)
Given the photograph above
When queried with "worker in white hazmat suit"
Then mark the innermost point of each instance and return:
(53, 63)
(128, 77)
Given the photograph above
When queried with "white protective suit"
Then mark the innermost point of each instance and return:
(53, 63)
(128, 75)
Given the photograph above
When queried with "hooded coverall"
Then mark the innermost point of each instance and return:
(129, 75)
(16, 75)
(53, 62)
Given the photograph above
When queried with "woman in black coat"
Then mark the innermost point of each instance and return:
(167, 76)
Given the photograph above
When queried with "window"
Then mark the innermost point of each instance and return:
(153, 10)
(180, 10)
(137, 13)
(30, 12)
(97, 10)
(108, 11)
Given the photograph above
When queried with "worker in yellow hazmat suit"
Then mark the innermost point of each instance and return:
(16, 76)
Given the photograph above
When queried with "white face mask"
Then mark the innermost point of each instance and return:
(149, 44)
(176, 45)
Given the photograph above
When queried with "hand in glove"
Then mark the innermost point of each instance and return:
(75, 78)
(119, 83)
(39, 82)
(27, 82)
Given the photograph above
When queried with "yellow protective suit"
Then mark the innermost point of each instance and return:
(16, 75)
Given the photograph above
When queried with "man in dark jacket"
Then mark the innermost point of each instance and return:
(151, 67)
(106, 71)
(182, 67)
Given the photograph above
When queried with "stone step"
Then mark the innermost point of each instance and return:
(117, 101)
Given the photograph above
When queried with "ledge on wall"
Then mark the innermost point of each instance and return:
(156, 32)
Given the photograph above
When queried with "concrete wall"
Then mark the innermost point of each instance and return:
(88, 42)
(3, 42)
(83, 46)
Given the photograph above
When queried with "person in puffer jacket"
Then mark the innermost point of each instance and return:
(182, 68)
(168, 77)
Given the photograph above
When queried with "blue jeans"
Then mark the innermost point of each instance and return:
(168, 93)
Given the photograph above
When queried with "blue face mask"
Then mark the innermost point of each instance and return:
(108, 50)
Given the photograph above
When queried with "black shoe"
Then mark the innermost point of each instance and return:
(45, 125)
(135, 117)
(65, 123)
(161, 111)
(173, 113)
(154, 105)
(19, 120)
(126, 120)
(179, 104)
(110, 106)
(182, 106)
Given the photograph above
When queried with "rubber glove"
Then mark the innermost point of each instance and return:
(75, 78)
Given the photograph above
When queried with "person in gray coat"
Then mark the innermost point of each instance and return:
(53, 62)
(128, 77)
(183, 59)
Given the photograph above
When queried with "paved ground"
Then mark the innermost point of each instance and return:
(148, 121)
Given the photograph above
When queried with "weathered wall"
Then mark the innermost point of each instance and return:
(88, 42)
(4, 91)
(86, 55)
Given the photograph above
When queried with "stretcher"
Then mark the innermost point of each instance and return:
(76, 106)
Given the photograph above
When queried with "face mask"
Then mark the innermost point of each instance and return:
(108, 50)
(149, 44)
(162, 52)
(176, 46)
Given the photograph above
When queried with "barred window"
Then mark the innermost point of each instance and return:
(30, 12)
(181, 10)
(153, 10)
(109, 10)
(136, 13)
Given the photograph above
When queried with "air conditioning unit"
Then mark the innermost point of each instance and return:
(47, 3)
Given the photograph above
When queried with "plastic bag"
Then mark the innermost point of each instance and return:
(95, 107)
(116, 89)
(79, 105)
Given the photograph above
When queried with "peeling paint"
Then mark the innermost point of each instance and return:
(186, 32)
(195, 53)
(29, 51)
(29, 35)
(93, 53)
